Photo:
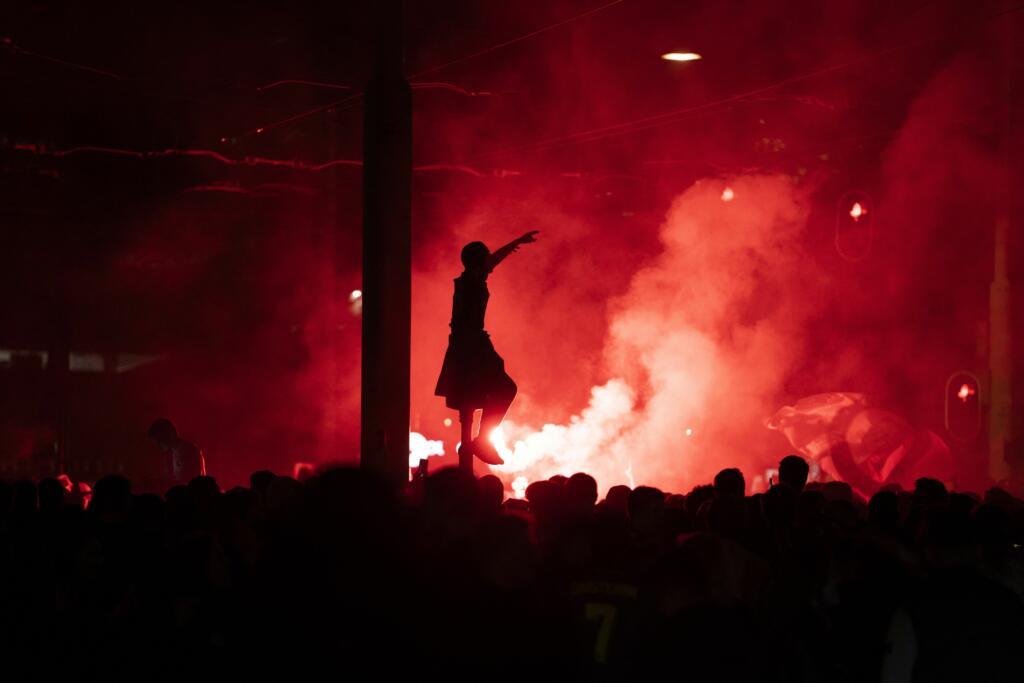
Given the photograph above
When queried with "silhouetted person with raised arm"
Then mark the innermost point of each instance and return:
(473, 374)
(183, 459)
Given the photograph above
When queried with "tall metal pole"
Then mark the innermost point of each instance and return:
(1000, 351)
(387, 253)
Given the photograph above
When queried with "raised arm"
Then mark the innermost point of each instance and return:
(500, 254)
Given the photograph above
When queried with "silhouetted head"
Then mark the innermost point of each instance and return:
(163, 433)
(646, 505)
(883, 510)
(582, 490)
(697, 497)
(618, 498)
(203, 487)
(930, 492)
(239, 502)
(559, 480)
(260, 480)
(475, 256)
(545, 498)
(793, 472)
(729, 482)
(492, 493)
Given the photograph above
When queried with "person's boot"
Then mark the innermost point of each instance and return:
(485, 450)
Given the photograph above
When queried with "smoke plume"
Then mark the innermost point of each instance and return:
(696, 348)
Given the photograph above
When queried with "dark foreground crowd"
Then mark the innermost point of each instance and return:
(339, 577)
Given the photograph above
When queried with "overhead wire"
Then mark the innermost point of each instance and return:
(677, 115)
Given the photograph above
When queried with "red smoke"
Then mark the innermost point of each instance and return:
(686, 282)
(620, 342)
(699, 339)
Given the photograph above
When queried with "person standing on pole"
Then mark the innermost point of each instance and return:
(473, 374)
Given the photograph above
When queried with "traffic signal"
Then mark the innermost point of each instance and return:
(963, 406)
(855, 225)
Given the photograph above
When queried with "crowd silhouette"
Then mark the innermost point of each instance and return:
(341, 576)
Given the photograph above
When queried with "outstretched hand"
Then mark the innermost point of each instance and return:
(528, 238)
(500, 255)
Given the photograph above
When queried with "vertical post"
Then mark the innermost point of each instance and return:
(999, 357)
(466, 455)
(59, 364)
(466, 462)
(387, 253)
